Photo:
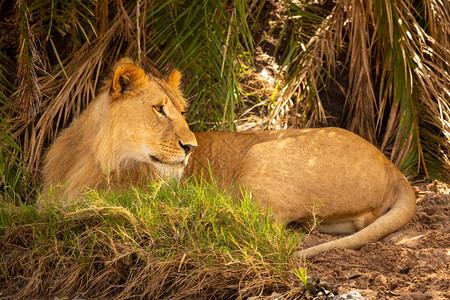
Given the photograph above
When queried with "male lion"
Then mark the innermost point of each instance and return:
(135, 129)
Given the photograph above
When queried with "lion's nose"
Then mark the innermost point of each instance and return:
(188, 148)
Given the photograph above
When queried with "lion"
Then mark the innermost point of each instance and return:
(135, 130)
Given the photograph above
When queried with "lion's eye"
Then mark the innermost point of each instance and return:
(160, 109)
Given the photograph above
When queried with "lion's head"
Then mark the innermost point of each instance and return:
(147, 115)
(135, 125)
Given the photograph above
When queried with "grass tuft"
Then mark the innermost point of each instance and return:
(173, 241)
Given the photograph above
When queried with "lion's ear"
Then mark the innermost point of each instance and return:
(127, 77)
(175, 79)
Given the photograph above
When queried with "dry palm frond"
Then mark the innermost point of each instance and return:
(303, 64)
(27, 99)
(360, 103)
(71, 87)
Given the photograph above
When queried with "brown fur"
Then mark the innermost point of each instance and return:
(122, 136)
(329, 173)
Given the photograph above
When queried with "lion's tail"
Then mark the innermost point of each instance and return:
(396, 218)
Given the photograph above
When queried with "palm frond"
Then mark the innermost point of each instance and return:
(417, 75)
(14, 178)
(71, 83)
(212, 41)
(361, 103)
(28, 96)
(310, 51)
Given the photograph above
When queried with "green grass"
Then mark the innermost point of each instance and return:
(159, 241)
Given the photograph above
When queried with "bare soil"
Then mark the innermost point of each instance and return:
(413, 263)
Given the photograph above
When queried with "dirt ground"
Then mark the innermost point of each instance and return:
(413, 263)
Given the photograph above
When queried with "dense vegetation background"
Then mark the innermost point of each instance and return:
(379, 68)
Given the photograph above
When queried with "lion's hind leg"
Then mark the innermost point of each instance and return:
(348, 224)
